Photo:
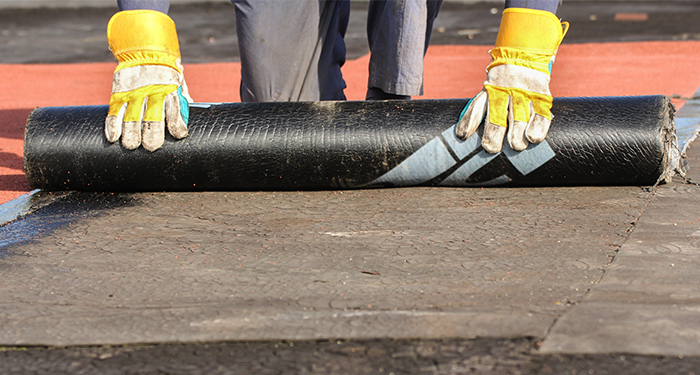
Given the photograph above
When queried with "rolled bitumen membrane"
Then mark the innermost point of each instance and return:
(345, 145)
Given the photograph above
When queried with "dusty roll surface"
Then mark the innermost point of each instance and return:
(340, 145)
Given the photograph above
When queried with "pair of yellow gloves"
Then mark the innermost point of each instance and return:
(149, 91)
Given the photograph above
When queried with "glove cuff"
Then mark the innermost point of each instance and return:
(532, 30)
(143, 37)
(528, 37)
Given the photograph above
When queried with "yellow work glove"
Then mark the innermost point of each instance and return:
(516, 93)
(148, 88)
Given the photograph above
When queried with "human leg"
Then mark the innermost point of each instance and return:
(398, 32)
(291, 50)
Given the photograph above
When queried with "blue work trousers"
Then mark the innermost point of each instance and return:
(292, 50)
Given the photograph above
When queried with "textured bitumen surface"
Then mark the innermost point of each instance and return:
(421, 280)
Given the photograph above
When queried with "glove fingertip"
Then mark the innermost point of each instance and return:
(537, 131)
(153, 135)
(114, 123)
(516, 136)
(130, 145)
(178, 129)
(492, 141)
(131, 135)
(472, 115)
(113, 129)
(462, 129)
(177, 115)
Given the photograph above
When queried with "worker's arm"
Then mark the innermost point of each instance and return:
(148, 88)
(516, 99)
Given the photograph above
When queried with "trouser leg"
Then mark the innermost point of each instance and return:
(159, 5)
(548, 5)
(399, 33)
(291, 50)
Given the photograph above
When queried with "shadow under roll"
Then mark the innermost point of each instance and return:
(346, 145)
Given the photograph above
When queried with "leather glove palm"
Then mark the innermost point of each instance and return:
(516, 93)
(148, 88)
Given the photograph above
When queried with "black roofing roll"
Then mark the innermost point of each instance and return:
(341, 145)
